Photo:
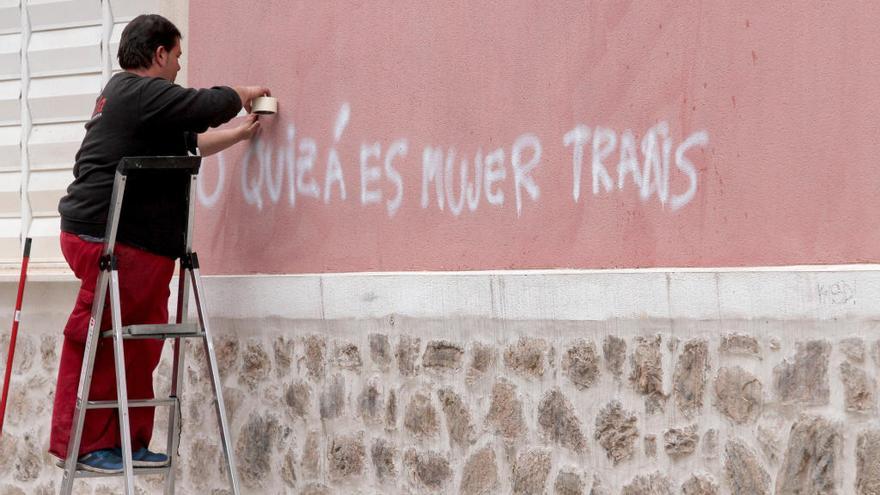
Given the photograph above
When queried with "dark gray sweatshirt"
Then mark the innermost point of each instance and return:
(141, 116)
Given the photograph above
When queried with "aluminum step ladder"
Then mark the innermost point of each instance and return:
(189, 278)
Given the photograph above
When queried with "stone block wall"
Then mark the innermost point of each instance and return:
(478, 406)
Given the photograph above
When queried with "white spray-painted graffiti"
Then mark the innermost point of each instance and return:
(652, 177)
(265, 167)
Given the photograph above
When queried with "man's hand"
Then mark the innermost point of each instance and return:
(218, 140)
(248, 127)
(248, 93)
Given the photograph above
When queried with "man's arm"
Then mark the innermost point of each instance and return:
(165, 104)
(215, 141)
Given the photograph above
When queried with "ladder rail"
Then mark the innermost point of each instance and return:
(174, 415)
(85, 383)
(216, 384)
(175, 419)
(121, 387)
(91, 345)
(119, 181)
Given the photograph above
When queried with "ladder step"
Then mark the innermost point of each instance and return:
(171, 331)
(138, 471)
(112, 404)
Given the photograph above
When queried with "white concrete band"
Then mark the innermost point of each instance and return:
(814, 294)
(799, 293)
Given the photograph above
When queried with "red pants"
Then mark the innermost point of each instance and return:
(143, 279)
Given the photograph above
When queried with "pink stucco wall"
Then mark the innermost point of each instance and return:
(772, 110)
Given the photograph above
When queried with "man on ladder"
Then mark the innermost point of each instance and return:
(140, 112)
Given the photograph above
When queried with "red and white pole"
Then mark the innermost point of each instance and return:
(15, 319)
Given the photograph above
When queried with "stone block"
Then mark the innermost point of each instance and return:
(288, 469)
(868, 463)
(311, 455)
(859, 390)
(332, 399)
(647, 372)
(48, 352)
(812, 460)
(678, 442)
(458, 418)
(482, 358)
(383, 454)
(316, 489)
(568, 483)
(226, 350)
(297, 397)
(254, 448)
(559, 423)
(650, 445)
(442, 355)
(738, 394)
(745, 474)
(47, 488)
(616, 431)
(28, 462)
(710, 444)
(315, 355)
(739, 344)
(233, 399)
(700, 484)
(380, 350)
(255, 365)
(875, 352)
(480, 473)
(530, 472)
(614, 352)
(370, 402)
(101, 489)
(429, 470)
(346, 456)
(580, 363)
(25, 351)
(348, 357)
(853, 349)
(283, 349)
(391, 411)
(648, 484)
(202, 464)
(598, 487)
(803, 380)
(771, 429)
(527, 357)
(689, 379)
(407, 353)
(505, 411)
(420, 417)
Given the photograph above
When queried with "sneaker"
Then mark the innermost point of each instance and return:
(100, 461)
(143, 457)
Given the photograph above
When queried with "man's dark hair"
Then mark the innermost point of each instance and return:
(142, 36)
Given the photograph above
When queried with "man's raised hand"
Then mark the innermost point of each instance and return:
(248, 93)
